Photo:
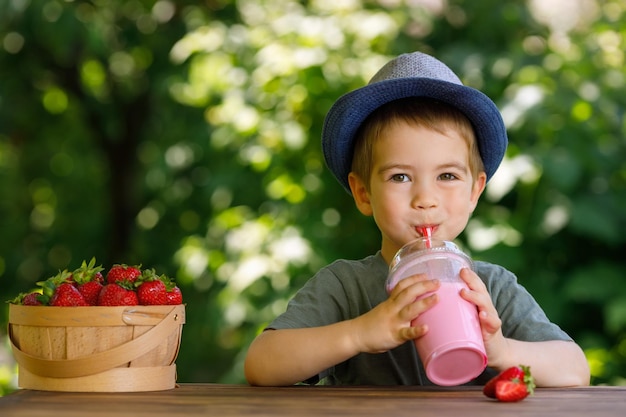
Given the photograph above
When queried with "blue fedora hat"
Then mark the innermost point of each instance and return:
(411, 75)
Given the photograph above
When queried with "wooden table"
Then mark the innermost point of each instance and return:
(302, 401)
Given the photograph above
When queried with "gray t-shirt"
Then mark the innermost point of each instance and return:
(347, 289)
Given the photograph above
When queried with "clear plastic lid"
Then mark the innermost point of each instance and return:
(441, 258)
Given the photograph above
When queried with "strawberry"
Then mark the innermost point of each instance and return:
(66, 295)
(28, 299)
(508, 374)
(117, 295)
(50, 287)
(88, 279)
(31, 299)
(121, 272)
(174, 296)
(511, 391)
(153, 289)
(87, 272)
(512, 384)
(98, 277)
(152, 293)
(90, 291)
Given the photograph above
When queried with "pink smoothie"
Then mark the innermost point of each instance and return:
(452, 351)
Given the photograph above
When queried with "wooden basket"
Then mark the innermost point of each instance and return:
(96, 349)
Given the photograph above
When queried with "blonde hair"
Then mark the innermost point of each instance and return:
(416, 111)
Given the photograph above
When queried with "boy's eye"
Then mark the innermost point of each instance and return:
(447, 176)
(399, 178)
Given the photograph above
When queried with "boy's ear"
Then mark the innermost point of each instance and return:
(360, 194)
(479, 186)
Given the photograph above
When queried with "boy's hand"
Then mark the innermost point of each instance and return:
(388, 325)
(490, 321)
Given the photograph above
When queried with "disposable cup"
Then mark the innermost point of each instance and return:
(452, 350)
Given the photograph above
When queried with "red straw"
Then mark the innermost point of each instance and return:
(427, 233)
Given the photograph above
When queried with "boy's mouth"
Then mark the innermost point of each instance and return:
(424, 229)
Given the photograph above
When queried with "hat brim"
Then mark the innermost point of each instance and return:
(350, 111)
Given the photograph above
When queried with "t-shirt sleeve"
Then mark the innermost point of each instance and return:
(522, 317)
(321, 301)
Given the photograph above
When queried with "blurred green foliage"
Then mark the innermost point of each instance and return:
(185, 136)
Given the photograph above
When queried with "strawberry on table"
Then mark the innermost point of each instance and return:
(511, 391)
(514, 372)
(512, 384)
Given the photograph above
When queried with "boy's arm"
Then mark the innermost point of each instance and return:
(553, 363)
(289, 356)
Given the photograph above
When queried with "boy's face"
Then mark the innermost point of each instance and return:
(419, 178)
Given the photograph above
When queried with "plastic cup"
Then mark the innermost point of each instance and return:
(452, 350)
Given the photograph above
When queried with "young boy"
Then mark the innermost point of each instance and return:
(415, 148)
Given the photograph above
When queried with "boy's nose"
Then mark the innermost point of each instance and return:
(424, 204)
(423, 199)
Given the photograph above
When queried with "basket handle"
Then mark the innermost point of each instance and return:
(101, 361)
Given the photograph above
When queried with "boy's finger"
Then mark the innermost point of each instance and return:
(472, 280)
